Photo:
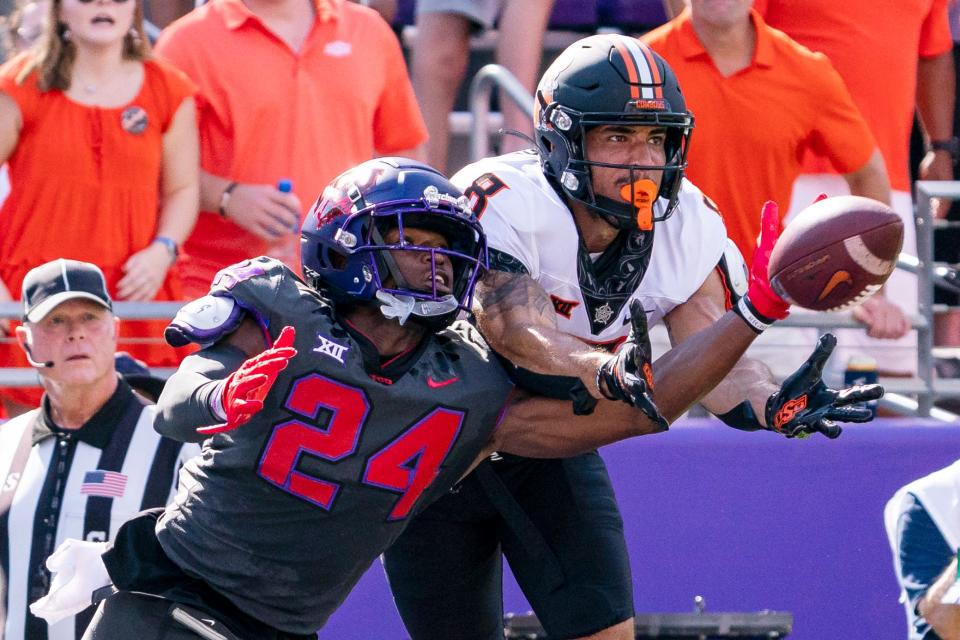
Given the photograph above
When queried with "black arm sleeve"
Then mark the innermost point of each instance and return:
(923, 556)
(184, 404)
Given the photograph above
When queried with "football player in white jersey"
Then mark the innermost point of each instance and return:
(597, 217)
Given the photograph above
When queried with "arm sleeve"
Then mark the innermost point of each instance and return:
(185, 403)
(840, 133)
(923, 554)
(397, 123)
(935, 38)
(177, 87)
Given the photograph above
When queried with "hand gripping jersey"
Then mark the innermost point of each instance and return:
(284, 514)
(525, 218)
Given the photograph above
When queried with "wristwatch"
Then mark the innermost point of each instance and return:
(225, 198)
(170, 244)
(950, 145)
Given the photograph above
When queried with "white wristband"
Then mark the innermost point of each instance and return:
(216, 402)
(745, 311)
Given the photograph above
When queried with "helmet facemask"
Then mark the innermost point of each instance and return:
(361, 255)
(573, 169)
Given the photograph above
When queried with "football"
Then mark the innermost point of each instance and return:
(836, 253)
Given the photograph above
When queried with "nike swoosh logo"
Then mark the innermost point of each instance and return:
(835, 280)
(433, 384)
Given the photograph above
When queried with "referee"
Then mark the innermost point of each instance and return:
(87, 459)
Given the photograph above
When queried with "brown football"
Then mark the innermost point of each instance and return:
(836, 253)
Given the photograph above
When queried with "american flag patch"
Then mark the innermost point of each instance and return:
(108, 484)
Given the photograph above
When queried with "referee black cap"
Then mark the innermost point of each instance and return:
(55, 282)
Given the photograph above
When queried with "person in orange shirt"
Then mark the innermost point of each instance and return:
(101, 143)
(288, 89)
(760, 100)
(896, 61)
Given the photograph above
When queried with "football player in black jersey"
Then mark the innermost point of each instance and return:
(597, 217)
(332, 411)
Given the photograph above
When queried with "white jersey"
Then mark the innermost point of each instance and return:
(525, 218)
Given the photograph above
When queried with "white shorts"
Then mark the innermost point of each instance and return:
(482, 13)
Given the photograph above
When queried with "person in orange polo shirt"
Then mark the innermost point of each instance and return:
(279, 80)
(896, 61)
(761, 100)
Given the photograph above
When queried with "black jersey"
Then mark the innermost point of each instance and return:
(284, 514)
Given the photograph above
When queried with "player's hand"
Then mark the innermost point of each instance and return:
(805, 405)
(627, 376)
(143, 273)
(882, 317)
(246, 387)
(264, 211)
(760, 294)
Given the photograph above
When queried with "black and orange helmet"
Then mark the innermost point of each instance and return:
(601, 80)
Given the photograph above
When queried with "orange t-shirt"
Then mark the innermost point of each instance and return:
(267, 112)
(86, 186)
(875, 47)
(751, 128)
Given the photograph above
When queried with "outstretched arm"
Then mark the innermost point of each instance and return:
(537, 427)
(222, 385)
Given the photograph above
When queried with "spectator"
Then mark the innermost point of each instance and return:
(279, 81)
(895, 62)
(442, 49)
(84, 462)
(763, 99)
(923, 524)
(102, 148)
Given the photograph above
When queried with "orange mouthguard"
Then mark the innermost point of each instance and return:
(642, 193)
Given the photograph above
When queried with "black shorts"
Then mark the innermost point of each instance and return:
(153, 588)
(567, 552)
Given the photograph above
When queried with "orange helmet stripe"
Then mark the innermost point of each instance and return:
(630, 63)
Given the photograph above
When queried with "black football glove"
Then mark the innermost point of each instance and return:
(627, 376)
(805, 405)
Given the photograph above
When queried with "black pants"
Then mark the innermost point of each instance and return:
(127, 615)
(153, 587)
(563, 537)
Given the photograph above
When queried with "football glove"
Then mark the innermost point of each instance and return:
(805, 405)
(627, 376)
(245, 389)
(761, 306)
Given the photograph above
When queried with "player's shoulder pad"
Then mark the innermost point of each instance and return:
(250, 287)
(466, 334)
(204, 321)
(510, 187)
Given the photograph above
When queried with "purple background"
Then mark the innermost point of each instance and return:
(750, 521)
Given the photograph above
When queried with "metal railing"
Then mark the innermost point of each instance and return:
(27, 377)
(481, 90)
(925, 386)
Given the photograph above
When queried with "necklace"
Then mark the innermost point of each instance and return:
(88, 88)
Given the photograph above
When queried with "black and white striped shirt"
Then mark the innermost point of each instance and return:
(81, 484)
